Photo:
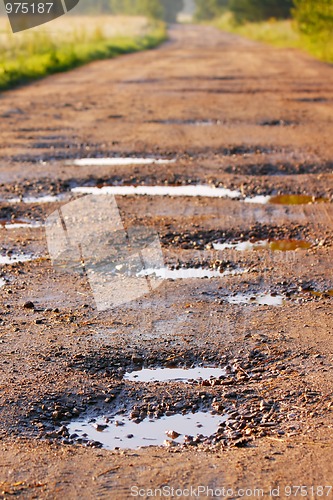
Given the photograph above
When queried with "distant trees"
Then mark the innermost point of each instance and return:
(314, 17)
(259, 10)
(166, 10)
(155, 9)
(208, 9)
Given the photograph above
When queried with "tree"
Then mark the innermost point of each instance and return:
(171, 9)
(259, 10)
(314, 17)
(155, 9)
(208, 9)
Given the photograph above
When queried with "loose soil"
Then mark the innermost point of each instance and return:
(232, 113)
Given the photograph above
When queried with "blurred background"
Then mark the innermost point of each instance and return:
(97, 29)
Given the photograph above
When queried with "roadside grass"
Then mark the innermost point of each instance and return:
(35, 54)
(281, 34)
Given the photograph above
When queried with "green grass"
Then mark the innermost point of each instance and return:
(280, 34)
(38, 55)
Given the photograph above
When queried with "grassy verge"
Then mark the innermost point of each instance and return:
(38, 54)
(280, 34)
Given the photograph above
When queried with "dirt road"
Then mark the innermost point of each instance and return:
(227, 113)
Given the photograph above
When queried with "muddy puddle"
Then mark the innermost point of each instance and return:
(188, 273)
(18, 224)
(15, 258)
(260, 300)
(173, 374)
(195, 123)
(189, 190)
(286, 199)
(122, 432)
(38, 199)
(273, 245)
(105, 162)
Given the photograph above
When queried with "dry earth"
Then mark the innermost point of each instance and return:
(233, 114)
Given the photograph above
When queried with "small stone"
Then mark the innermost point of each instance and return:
(29, 305)
(172, 434)
(100, 427)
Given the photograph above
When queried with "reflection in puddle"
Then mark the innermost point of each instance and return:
(187, 273)
(326, 293)
(262, 300)
(105, 162)
(296, 199)
(39, 199)
(189, 190)
(173, 374)
(197, 123)
(274, 245)
(18, 224)
(286, 199)
(124, 433)
(14, 258)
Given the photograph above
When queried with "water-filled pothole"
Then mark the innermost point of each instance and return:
(261, 300)
(18, 224)
(15, 258)
(274, 245)
(105, 162)
(286, 199)
(296, 199)
(196, 123)
(174, 374)
(122, 432)
(188, 273)
(48, 198)
(188, 190)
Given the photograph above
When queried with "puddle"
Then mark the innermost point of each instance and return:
(190, 190)
(261, 300)
(260, 199)
(173, 374)
(14, 258)
(296, 199)
(105, 162)
(121, 432)
(286, 199)
(315, 293)
(38, 199)
(196, 123)
(188, 273)
(274, 245)
(18, 224)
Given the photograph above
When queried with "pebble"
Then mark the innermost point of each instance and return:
(29, 305)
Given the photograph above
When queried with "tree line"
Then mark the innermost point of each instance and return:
(313, 16)
(166, 10)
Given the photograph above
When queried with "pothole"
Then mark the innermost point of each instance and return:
(286, 199)
(38, 199)
(15, 258)
(277, 123)
(189, 190)
(174, 374)
(273, 245)
(261, 300)
(197, 123)
(189, 273)
(123, 433)
(104, 162)
(19, 224)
